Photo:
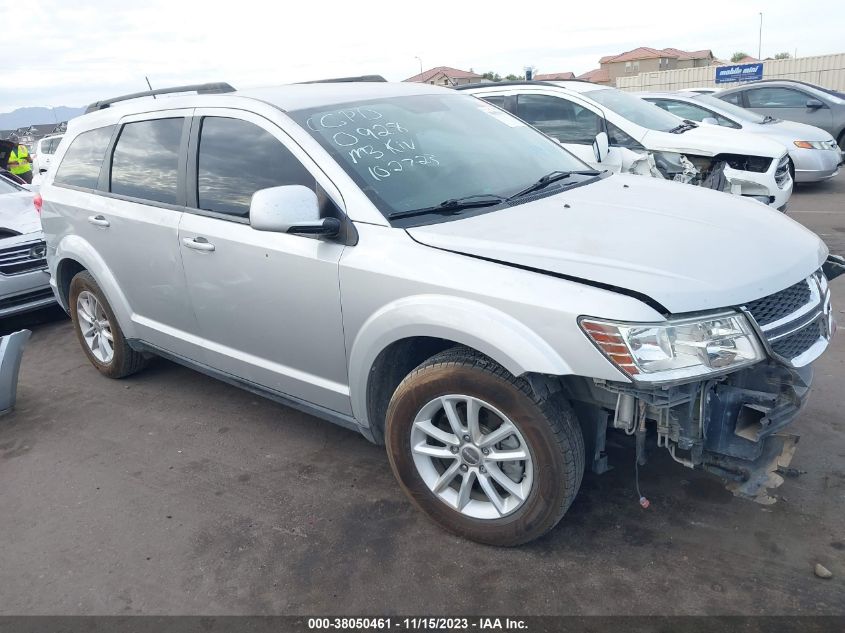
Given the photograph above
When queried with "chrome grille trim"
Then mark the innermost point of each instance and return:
(791, 337)
(18, 259)
(782, 172)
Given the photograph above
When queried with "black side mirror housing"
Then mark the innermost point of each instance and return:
(814, 104)
(327, 227)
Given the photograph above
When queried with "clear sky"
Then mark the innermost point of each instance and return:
(74, 52)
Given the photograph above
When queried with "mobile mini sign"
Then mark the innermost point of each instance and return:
(739, 72)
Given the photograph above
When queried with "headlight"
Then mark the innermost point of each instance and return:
(677, 349)
(816, 144)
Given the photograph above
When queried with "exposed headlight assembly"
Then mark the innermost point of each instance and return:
(679, 349)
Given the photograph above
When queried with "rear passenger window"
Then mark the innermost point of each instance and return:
(145, 163)
(496, 100)
(81, 164)
(236, 159)
(561, 119)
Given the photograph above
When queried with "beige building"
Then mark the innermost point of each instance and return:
(446, 76)
(645, 59)
(554, 77)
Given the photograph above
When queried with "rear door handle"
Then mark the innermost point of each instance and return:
(98, 220)
(198, 244)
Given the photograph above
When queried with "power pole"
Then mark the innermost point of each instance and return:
(760, 39)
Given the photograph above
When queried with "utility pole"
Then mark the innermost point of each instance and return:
(420, 61)
(760, 39)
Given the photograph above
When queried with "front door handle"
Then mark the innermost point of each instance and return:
(198, 244)
(98, 220)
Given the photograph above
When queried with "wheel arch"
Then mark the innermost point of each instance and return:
(74, 255)
(413, 329)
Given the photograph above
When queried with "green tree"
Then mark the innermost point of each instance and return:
(513, 77)
(783, 55)
(490, 75)
(738, 55)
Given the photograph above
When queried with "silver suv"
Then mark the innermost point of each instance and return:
(420, 266)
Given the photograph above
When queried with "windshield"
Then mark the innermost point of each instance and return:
(634, 109)
(415, 152)
(6, 186)
(730, 108)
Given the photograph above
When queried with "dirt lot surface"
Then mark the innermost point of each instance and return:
(172, 493)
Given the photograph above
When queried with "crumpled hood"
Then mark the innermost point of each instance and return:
(687, 248)
(17, 213)
(710, 140)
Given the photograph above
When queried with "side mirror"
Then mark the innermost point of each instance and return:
(709, 120)
(601, 146)
(290, 209)
(814, 104)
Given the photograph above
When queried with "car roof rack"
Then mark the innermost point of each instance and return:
(209, 88)
(343, 80)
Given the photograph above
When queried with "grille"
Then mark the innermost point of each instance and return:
(782, 172)
(798, 342)
(774, 307)
(18, 259)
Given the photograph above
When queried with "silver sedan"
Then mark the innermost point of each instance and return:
(813, 153)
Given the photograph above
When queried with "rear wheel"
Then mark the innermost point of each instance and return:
(98, 331)
(479, 453)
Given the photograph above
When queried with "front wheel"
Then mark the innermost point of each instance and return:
(479, 453)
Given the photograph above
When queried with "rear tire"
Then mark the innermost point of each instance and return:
(98, 332)
(430, 440)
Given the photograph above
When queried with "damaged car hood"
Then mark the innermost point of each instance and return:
(687, 248)
(17, 213)
(706, 140)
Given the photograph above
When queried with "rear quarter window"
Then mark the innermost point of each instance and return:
(81, 164)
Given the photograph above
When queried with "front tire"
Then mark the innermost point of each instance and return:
(98, 332)
(478, 452)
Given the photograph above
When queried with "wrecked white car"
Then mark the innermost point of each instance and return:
(613, 130)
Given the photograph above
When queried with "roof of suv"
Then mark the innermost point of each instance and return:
(285, 97)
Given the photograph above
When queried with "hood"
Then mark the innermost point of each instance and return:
(789, 131)
(709, 140)
(688, 248)
(17, 213)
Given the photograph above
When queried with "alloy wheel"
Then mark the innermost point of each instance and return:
(472, 456)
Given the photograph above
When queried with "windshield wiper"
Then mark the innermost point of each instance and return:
(769, 119)
(683, 127)
(551, 177)
(453, 205)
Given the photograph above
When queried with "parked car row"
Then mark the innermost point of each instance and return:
(614, 130)
(424, 267)
(814, 155)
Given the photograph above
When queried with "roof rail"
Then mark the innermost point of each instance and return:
(342, 80)
(210, 88)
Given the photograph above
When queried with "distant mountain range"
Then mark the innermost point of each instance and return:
(37, 116)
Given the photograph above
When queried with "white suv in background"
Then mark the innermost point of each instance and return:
(43, 155)
(417, 265)
(614, 130)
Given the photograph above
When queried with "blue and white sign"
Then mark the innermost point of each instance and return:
(740, 72)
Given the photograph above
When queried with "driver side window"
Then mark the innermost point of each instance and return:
(561, 119)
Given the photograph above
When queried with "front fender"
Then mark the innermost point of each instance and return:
(78, 249)
(490, 331)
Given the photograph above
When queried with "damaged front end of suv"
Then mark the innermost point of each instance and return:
(716, 391)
